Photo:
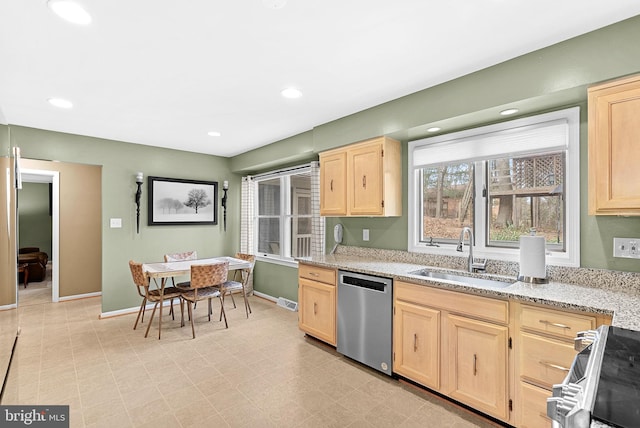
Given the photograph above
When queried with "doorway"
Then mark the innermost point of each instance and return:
(49, 180)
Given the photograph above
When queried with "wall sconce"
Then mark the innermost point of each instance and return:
(139, 181)
(225, 187)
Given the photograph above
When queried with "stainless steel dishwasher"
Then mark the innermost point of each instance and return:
(365, 307)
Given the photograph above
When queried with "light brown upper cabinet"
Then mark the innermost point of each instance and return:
(362, 179)
(614, 147)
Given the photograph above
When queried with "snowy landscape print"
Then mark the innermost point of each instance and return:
(174, 201)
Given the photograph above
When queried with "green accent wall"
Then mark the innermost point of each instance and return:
(276, 280)
(120, 162)
(34, 221)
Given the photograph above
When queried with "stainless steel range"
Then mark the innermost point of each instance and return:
(603, 384)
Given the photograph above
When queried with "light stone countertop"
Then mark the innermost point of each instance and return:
(623, 303)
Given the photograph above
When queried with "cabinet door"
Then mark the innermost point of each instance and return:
(333, 184)
(614, 131)
(477, 353)
(416, 347)
(317, 311)
(365, 180)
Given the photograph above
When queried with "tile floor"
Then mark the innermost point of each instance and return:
(261, 372)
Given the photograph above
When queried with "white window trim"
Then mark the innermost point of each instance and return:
(285, 208)
(571, 257)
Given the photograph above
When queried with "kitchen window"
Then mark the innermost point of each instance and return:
(502, 181)
(280, 220)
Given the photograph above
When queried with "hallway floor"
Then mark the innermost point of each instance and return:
(260, 372)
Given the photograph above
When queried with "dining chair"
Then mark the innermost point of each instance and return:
(157, 295)
(241, 279)
(204, 279)
(178, 257)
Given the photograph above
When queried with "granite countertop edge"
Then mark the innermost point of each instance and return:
(621, 305)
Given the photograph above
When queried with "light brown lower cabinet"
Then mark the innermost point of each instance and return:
(534, 406)
(544, 351)
(416, 333)
(477, 362)
(454, 343)
(317, 302)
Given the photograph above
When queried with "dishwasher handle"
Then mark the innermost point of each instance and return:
(369, 283)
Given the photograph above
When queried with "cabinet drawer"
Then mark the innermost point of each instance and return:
(559, 323)
(315, 273)
(543, 360)
(458, 303)
(534, 406)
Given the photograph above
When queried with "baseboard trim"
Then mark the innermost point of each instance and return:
(80, 296)
(265, 296)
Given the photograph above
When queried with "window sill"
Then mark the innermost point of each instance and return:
(277, 261)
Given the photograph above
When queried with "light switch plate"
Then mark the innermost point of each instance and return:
(115, 223)
(365, 234)
(626, 248)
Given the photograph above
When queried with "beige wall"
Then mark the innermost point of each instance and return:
(80, 225)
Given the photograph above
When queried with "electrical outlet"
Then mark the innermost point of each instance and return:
(365, 234)
(626, 248)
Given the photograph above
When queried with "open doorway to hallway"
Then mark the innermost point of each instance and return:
(38, 219)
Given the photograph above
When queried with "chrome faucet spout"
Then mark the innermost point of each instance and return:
(472, 265)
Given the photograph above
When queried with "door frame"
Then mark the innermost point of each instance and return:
(53, 177)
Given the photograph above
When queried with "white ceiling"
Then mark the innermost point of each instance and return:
(165, 72)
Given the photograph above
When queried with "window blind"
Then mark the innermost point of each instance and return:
(486, 143)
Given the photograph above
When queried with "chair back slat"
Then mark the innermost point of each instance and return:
(139, 278)
(209, 275)
(176, 257)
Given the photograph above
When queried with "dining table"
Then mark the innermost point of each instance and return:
(165, 270)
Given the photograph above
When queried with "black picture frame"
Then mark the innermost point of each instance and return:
(169, 198)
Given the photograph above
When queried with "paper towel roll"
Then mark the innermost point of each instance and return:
(532, 257)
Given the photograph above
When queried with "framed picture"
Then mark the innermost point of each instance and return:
(175, 201)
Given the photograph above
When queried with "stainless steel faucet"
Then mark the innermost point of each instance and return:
(472, 265)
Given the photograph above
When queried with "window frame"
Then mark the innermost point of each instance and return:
(285, 217)
(570, 257)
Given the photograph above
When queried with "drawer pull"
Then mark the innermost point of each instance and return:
(364, 181)
(475, 364)
(554, 366)
(315, 308)
(415, 342)
(331, 185)
(314, 274)
(555, 324)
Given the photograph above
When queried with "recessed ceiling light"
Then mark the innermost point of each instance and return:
(274, 4)
(214, 134)
(60, 102)
(509, 111)
(70, 11)
(433, 129)
(291, 92)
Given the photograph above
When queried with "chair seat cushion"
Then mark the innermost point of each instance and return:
(183, 285)
(169, 292)
(232, 286)
(203, 293)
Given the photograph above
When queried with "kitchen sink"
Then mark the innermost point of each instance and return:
(472, 280)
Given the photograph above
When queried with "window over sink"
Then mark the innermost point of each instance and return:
(501, 180)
